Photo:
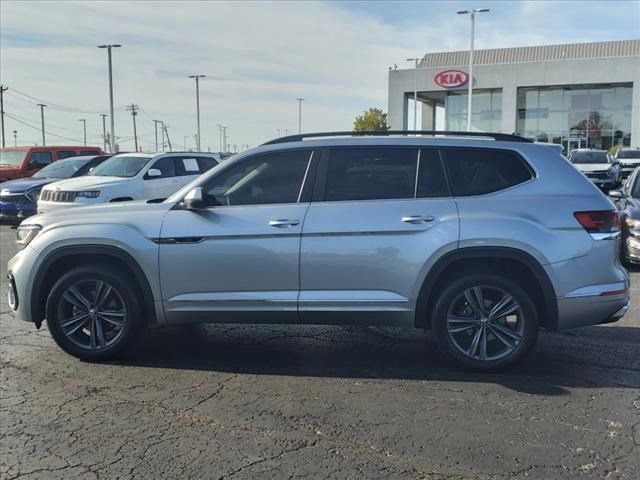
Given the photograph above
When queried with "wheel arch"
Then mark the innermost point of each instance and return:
(67, 257)
(511, 261)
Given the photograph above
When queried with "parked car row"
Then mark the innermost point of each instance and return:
(18, 198)
(21, 162)
(88, 180)
(481, 240)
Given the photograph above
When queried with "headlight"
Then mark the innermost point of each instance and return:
(33, 195)
(88, 194)
(26, 233)
(633, 223)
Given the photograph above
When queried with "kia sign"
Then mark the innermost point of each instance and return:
(451, 78)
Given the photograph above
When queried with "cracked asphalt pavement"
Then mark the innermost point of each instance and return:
(219, 402)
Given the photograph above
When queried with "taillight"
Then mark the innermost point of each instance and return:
(601, 221)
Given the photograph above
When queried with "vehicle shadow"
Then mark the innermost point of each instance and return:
(591, 357)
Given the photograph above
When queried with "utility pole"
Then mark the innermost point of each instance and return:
(133, 108)
(2, 90)
(198, 77)
(15, 138)
(167, 133)
(84, 129)
(224, 138)
(184, 142)
(220, 127)
(42, 105)
(197, 139)
(415, 92)
(113, 130)
(300, 100)
(286, 132)
(104, 131)
(155, 127)
(278, 130)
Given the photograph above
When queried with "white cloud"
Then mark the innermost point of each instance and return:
(259, 56)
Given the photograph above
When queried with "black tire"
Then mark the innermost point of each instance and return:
(523, 322)
(116, 334)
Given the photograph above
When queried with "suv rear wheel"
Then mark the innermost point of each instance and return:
(485, 321)
(93, 312)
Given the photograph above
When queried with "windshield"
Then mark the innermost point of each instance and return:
(120, 167)
(628, 154)
(12, 157)
(62, 169)
(590, 157)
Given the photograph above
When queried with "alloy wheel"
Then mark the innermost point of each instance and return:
(485, 323)
(92, 314)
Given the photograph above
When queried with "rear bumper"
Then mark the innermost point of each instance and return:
(593, 305)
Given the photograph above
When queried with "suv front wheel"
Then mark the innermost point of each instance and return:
(93, 312)
(485, 321)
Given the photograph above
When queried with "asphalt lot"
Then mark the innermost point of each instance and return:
(291, 402)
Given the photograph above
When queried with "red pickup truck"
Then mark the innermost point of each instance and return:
(20, 162)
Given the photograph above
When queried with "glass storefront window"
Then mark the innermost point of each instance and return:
(486, 110)
(585, 116)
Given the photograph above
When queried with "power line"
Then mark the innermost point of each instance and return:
(39, 129)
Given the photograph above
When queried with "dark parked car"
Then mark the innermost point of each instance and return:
(629, 204)
(629, 159)
(18, 198)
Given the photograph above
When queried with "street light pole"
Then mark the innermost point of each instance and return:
(104, 132)
(470, 81)
(300, 100)
(415, 92)
(224, 138)
(198, 77)
(84, 129)
(42, 105)
(112, 137)
(155, 127)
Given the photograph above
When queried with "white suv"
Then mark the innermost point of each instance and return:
(128, 176)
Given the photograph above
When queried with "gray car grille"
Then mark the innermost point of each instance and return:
(57, 196)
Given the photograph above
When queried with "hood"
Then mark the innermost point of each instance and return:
(592, 167)
(629, 161)
(87, 183)
(25, 184)
(101, 221)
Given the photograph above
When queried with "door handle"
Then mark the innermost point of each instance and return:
(283, 223)
(418, 219)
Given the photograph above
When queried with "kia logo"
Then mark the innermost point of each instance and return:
(451, 78)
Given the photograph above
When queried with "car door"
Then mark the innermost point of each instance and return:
(379, 218)
(237, 259)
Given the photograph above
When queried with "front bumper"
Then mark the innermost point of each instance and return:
(20, 271)
(632, 249)
(16, 211)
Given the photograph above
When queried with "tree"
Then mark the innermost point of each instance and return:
(374, 119)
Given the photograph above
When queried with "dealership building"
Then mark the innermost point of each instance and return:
(584, 95)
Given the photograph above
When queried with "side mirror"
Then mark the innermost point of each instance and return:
(92, 169)
(153, 173)
(616, 194)
(194, 200)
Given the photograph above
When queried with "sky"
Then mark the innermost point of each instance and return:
(258, 57)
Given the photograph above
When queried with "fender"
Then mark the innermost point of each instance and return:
(507, 253)
(37, 306)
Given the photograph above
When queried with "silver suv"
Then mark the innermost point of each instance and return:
(482, 239)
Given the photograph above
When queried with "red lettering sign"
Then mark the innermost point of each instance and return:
(451, 78)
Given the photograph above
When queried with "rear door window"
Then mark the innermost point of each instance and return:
(475, 171)
(206, 163)
(371, 174)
